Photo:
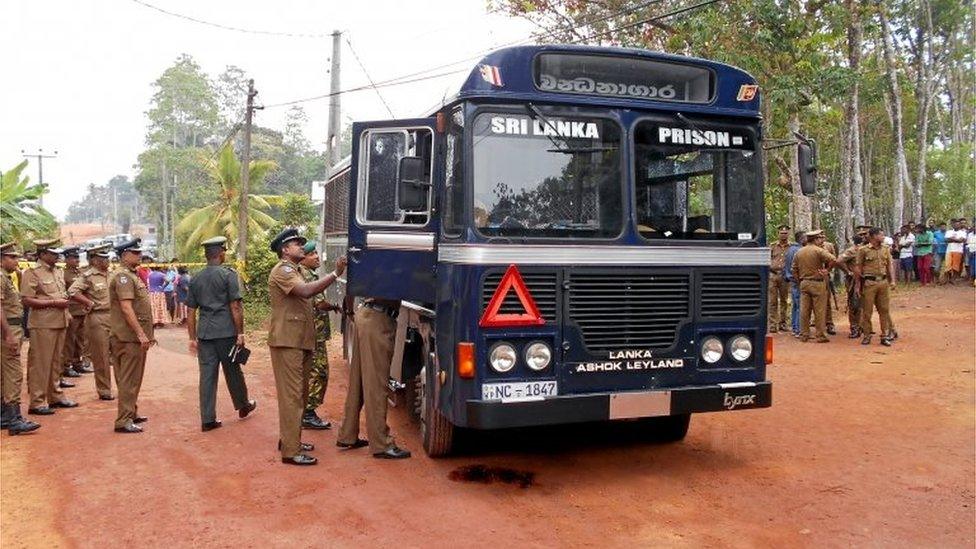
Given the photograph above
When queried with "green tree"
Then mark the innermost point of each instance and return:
(184, 111)
(220, 217)
(22, 218)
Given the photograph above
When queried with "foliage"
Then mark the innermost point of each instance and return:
(100, 203)
(298, 210)
(22, 218)
(184, 108)
(220, 218)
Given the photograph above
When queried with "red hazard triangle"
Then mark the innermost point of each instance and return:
(493, 319)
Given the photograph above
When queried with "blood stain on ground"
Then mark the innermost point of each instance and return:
(487, 475)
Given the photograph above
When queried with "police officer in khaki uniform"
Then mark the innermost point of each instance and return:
(11, 372)
(846, 263)
(831, 294)
(811, 267)
(291, 340)
(131, 327)
(75, 340)
(90, 291)
(778, 286)
(873, 268)
(42, 290)
(318, 379)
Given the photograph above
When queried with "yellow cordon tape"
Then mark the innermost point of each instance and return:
(239, 266)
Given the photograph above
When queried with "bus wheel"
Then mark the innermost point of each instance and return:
(437, 431)
(667, 428)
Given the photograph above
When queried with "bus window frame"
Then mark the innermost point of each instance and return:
(575, 111)
(748, 125)
(362, 187)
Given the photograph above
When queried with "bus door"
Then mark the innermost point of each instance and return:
(392, 252)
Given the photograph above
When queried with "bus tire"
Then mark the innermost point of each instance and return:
(667, 428)
(437, 431)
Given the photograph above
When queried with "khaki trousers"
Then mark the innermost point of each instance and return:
(813, 299)
(369, 373)
(44, 365)
(11, 372)
(130, 365)
(875, 294)
(98, 332)
(777, 304)
(291, 367)
(74, 342)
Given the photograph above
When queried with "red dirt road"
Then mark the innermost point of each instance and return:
(866, 446)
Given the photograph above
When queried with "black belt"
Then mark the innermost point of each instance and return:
(15, 321)
(99, 311)
(776, 271)
(388, 311)
(814, 279)
(875, 278)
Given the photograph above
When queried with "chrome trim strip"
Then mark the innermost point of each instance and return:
(419, 308)
(423, 242)
(533, 254)
(737, 385)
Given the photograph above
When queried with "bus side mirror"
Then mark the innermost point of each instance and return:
(806, 161)
(412, 188)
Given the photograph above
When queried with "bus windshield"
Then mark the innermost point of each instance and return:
(537, 175)
(696, 182)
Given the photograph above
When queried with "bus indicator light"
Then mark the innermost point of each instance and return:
(492, 318)
(747, 92)
(492, 75)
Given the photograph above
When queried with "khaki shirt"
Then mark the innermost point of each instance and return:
(70, 275)
(46, 283)
(777, 254)
(93, 284)
(292, 321)
(873, 261)
(125, 284)
(847, 256)
(809, 260)
(12, 307)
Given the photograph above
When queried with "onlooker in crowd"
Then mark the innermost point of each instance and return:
(938, 251)
(182, 288)
(971, 252)
(955, 243)
(143, 271)
(157, 283)
(906, 243)
(169, 289)
(794, 284)
(923, 253)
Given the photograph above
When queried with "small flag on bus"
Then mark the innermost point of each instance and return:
(492, 75)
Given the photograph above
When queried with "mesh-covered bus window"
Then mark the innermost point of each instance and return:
(337, 204)
(385, 149)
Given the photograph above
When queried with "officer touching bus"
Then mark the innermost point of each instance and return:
(216, 294)
(318, 380)
(132, 334)
(42, 290)
(11, 372)
(90, 290)
(291, 339)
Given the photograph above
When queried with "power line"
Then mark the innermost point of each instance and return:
(229, 27)
(368, 77)
(384, 84)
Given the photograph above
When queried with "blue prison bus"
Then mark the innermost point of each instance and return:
(577, 235)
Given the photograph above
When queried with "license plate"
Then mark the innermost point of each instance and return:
(518, 391)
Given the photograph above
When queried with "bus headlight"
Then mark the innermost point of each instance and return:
(538, 355)
(740, 348)
(502, 357)
(712, 349)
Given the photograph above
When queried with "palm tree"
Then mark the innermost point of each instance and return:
(21, 215)
(220, 218)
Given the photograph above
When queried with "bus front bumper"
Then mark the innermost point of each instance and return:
(622, 405)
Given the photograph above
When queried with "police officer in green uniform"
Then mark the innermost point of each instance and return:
(215, 293)
(318, 380)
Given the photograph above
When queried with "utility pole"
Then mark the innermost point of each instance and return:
(242, 216)
(40, 156)
(332, 141)
(161, 243)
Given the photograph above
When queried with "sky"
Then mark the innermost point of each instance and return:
(78, 73)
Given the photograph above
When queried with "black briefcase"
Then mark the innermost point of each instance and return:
(239, 354)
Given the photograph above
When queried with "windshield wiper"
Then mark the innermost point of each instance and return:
(536, 114)
(582, 150)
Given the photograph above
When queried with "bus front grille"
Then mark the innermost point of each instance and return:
(628, 311)
(542, 286)
(730, 295)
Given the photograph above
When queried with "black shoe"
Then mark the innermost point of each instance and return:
(106, 397)
(831, 330)
(311, 420)
(42, 411)
(130, 428)
(886, 342)
(65, 384)
(64, 404)
(83, 369)
(140, 419)
(393, 453)
(854, 335)
(20, 426)
(247, 409)
(70, 372)
(300, 459)
(892, 334)
(210, 426)
(866, 340)
(360, 443)
(303, 446)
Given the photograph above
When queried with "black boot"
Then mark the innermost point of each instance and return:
(19, 425)
(5, 415)
(311, 420)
